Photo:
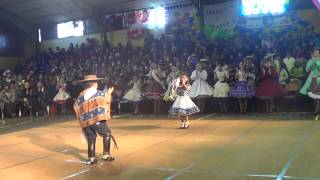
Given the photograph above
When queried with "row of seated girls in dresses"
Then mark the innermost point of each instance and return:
(266, 85)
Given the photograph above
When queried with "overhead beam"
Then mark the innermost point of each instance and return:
(87, 9)
(196, 4)
(25, 25)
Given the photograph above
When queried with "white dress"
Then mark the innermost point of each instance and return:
(134, 94)
(62, 95)
(183, 105)
(221, 88)
(200, 86)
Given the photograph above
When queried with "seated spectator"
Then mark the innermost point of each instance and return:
(62, 95)
(26, 99)
(40, 101)
(289, 61)
(283, 74)
(298, 71)
(7, 99)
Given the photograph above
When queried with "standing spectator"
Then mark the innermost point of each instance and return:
(40, 99)
(313, 68)
(269, 87)
(62, 96)
(155, 86)
(221, 88)
(200, 89)
(242, 90)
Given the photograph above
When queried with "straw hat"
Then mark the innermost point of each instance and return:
(90, 77)
(203, 60)
(269, 55)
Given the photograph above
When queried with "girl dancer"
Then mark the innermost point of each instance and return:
(183, 105)
(134, 94)
(242, 90)
(200, 89)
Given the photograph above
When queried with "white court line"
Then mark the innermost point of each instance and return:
(2, 127)
(228, 174)
(121, 116)
(186, 170)
(233, 140)
(296, 152)
(302, 178)
(74, 161)
(179, 172)
(81, 172)
(66, 150)
(75, 174)
(205, 117)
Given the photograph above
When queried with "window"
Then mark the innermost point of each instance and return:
(39, 35)
(71, 28)
(157, 18)
(3, 42)
(262, 7)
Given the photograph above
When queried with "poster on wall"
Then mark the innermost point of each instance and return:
(221, 16)
(264, 13)
(136, 23)
(180, 16)
(265, 21)
(114, 22)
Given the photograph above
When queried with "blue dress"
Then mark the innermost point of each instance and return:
(242, 89)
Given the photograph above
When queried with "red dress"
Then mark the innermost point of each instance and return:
(269, 85)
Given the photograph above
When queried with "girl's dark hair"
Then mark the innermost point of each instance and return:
(184, 74)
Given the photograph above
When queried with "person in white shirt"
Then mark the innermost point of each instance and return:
(289, 61)
(200, 89)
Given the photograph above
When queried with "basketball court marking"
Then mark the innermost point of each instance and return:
(75, 174)
(228, 174)
(219, 148)
(296, 151)
(40, 158)
(81, 172)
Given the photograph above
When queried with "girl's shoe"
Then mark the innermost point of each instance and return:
(182, 126)
(107, 157)
(186, 125)
(90, 161)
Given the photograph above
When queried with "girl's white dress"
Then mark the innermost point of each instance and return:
(183, 105)
(221, 88)
(134, 94)
(200, 86)
(62, 95)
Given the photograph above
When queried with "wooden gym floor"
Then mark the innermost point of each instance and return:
(223, 147)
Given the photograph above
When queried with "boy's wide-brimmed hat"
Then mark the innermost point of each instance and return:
(203, 60)
(250, 57)
(269, 55)
(90, 77)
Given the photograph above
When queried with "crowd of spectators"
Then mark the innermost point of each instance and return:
(30, 88)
